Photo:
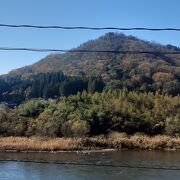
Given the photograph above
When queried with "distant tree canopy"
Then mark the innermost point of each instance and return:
(46, 85)
(55, 84)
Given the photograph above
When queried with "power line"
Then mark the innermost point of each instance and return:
(92, 164)
(87, 51)
(87, 28)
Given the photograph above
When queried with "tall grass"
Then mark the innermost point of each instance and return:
(115, 140)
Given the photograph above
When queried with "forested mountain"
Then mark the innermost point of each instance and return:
(141, 72)
(99, 108)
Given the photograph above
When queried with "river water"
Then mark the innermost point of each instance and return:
(131, 165)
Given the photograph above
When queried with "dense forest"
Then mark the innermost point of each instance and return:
(15, 90)
(87, 114)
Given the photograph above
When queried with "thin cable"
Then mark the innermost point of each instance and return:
(87, 28)
(91, 164)
(87, 51)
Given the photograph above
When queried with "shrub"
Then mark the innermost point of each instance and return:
(172, 126)
(75, 128)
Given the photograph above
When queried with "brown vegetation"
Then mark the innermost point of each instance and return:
(119, 141)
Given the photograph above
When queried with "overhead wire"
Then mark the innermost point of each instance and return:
(86, 51)
(85, 28)
(88, 28)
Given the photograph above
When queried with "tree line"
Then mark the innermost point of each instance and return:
(16, 89)
(46, 85)
(90, 114)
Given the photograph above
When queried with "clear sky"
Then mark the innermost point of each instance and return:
(117, 13)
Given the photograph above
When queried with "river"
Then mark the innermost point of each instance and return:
(125, 165)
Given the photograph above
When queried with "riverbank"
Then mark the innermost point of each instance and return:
(113, 142)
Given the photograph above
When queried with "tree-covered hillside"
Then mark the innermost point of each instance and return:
(145, 72)
(68, 73)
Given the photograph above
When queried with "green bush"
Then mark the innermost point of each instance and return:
(173, 125)
(87, 114)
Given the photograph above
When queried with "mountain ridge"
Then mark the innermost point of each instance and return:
(110, 41)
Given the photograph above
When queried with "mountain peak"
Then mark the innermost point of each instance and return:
(107, 64)
(111, 35)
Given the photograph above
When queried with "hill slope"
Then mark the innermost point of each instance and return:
(107, 64)
(142, 72)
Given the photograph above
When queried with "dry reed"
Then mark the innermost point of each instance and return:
(114, 140)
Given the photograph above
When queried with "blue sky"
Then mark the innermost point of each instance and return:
(118, 13)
